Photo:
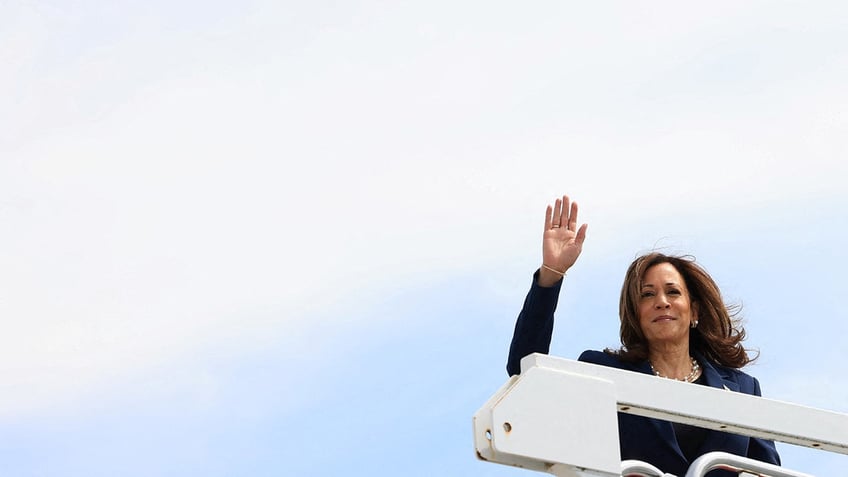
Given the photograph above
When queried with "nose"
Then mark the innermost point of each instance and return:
(661, 302)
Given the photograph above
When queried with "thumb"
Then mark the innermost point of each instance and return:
(581, 234)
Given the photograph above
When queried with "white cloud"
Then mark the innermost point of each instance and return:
(178, 183)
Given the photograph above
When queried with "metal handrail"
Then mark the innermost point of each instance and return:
(637, 468)
(723, 460)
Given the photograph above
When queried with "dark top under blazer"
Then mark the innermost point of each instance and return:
(646, 439)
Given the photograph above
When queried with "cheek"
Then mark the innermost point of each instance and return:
(640, 317)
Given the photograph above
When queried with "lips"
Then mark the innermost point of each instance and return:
(663, 318)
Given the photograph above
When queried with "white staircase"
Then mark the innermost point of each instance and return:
(559, 397)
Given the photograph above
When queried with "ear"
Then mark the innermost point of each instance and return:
(694, 322)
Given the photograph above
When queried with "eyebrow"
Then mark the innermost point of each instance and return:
(649, 285)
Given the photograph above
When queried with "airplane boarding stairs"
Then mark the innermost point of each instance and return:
(559, 397)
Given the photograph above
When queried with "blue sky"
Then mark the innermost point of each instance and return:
(279, 238)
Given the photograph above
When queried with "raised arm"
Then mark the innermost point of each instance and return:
(562, 243)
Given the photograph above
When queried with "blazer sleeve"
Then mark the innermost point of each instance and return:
(762, 449)
(535, 324)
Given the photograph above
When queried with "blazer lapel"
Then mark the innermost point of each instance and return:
(663, 429)
(713, 376)
(716, 377)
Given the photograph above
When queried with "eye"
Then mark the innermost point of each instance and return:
(647, 294)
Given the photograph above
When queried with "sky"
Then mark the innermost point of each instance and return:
(292, 238)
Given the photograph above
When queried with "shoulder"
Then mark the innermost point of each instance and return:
(747, 384)
(598, 357)
(607, 359)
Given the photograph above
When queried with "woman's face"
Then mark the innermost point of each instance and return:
(665, 312)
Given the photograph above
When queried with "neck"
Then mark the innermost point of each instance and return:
(673, 362)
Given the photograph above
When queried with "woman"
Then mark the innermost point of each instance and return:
(674, 324)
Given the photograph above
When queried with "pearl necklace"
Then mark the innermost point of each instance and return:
(691, 377)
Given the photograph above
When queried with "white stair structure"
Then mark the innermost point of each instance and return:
(559, 397)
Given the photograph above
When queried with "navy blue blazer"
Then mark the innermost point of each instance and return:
(646, 439)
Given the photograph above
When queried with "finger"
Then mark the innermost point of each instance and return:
(557, 218)
(581, 234)
(563, 219)
(572, 217)
(548, 213)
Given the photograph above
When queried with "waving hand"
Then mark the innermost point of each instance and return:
(562, 241)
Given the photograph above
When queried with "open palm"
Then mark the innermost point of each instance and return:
(562, 241)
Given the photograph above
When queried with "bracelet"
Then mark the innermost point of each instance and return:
(562, 274)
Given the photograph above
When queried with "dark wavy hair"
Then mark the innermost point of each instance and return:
(719, 334)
